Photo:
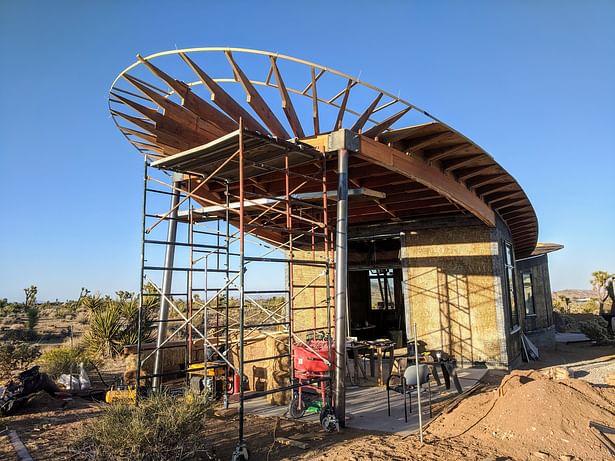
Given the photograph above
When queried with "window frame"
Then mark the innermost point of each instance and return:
(386, 280)
(509, 276)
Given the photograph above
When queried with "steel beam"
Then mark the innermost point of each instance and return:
(167, 282)
(341, 286)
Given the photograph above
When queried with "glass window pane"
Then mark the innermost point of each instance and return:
(527, 294)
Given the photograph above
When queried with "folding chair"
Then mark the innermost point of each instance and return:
(407, 385)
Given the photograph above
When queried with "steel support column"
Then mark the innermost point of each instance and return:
(341, 285)
(167, 282)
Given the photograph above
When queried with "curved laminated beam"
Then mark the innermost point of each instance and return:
(421, 172)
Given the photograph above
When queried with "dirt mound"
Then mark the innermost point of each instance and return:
(532, 416)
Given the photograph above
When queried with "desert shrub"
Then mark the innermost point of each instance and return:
(563, 322)
(64, 359)
(162, 427)
(19, 334)
(595, 329)
(16, 356)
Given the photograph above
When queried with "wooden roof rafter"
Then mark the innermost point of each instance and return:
(191, 123)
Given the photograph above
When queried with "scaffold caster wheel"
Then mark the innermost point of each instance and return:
(241, 453)
(328, 421)
(296, 408)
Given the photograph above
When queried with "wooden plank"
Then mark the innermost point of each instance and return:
(20, 448)
(287, 103)
(360, 123)
(419, 171)
(385, 124)
(315, 104)
(256, 101)
(340, 114)
(223, 100)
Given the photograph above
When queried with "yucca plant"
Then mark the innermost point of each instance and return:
(106, 330)
(114, 323)
(93, 303)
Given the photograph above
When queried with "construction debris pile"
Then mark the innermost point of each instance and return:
(534, 415)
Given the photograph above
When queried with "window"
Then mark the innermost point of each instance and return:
(509, 267)
(381, 289)
(528, 296)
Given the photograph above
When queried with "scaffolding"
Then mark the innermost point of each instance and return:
(216, 210)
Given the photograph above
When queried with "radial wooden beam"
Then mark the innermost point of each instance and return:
(148, 112)
(491, 188)
(426, 141)
(166, 138)
(256, 101)
(419, 171)
(452, 165)
(466, 173)
(190, 101)
(386, 124)
(432, 156)
(474, 183)
(169, 126)
(213, 124)
(364, 117)
(315, 103)
(521, 220)
(340, 114)
(141, 123)
(504, 203)
(145, 136)
(494, 197)
(287, 104)
(222, 99)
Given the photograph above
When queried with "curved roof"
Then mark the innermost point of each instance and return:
(168, 103)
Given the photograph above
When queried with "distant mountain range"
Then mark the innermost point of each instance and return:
(572, 293)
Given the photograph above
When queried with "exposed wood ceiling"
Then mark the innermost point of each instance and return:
(426, 169)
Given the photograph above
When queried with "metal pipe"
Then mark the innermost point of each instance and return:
(140, 314)
(167, 282)
(227, 279)
(241, 285)
(341, 285)
(418, 383)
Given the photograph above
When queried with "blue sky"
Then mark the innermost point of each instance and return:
(531, 82)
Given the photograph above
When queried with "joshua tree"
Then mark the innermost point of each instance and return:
(31, 295)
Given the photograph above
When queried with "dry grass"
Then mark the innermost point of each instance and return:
(162, 427)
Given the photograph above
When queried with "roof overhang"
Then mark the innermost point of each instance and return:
(424, 170)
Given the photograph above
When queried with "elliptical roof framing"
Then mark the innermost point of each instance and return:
(176, 131)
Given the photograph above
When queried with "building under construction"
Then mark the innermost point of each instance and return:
(288, 207)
